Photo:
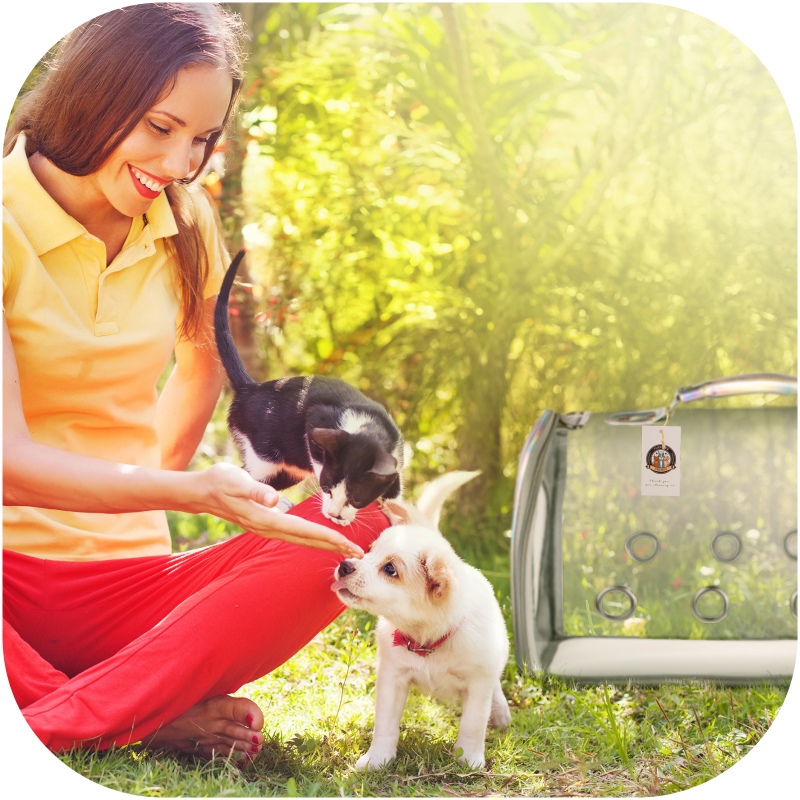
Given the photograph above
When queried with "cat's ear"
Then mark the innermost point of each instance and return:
(385, 465)
(330, 439)
(393, 488)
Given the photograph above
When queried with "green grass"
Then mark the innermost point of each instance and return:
(586, 741)
(608, 740)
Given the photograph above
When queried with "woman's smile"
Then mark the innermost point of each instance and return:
(146, 184)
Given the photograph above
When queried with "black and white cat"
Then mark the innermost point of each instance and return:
(291, 428)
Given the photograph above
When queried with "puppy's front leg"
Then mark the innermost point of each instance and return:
(474, 718)
(391, 693)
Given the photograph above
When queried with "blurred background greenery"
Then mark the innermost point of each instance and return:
(475, 212)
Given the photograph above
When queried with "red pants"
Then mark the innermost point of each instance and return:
(104, 653)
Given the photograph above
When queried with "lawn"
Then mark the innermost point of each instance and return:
(564, 740)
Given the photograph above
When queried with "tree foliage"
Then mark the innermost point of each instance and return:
(476, 212)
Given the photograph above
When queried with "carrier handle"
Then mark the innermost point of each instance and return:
(754, 383)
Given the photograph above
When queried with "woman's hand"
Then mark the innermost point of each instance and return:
(234, 495)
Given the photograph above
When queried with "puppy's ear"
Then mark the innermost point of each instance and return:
(401, 512)
(397, 511)
(438, 576)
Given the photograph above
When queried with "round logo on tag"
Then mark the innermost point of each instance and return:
(661, 458)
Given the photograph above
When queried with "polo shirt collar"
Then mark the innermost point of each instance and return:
(160, 219)
(44, 222)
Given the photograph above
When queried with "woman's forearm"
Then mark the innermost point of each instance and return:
(45, 477)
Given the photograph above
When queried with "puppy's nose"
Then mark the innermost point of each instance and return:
(346, 568)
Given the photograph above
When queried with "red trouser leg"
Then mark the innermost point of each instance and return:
(140, 641)
(31, 676)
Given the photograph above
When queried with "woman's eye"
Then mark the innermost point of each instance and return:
(158, 128)
(390, 570)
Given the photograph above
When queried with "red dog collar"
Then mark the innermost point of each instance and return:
(401, 640)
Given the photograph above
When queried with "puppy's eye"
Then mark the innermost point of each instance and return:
(390, 570)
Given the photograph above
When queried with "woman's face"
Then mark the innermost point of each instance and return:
(167, 144)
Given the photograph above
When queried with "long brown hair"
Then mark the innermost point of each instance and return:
(100, 82)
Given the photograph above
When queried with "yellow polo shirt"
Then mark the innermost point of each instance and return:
(90, 341)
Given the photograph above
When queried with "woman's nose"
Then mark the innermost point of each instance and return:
(181, 160)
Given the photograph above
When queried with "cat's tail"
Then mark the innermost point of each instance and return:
(234, 367)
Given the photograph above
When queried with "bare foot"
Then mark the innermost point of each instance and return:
(220, 726)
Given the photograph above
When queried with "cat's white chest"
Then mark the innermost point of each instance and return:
(260, 468)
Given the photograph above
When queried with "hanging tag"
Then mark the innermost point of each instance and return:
(661, 461)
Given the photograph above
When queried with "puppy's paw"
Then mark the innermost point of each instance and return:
(473, 759)
(363, 764)
(373, 760)
(500, 717)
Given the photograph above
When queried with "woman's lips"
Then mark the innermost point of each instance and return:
(138, 175)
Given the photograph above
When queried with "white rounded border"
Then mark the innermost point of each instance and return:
(768, 28)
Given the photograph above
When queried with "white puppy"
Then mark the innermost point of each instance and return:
(440, 627)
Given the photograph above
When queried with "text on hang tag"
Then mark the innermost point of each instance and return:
(661, 461)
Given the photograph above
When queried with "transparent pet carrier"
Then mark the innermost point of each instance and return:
(610, 584)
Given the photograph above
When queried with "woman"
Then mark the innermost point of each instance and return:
(111, 264)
